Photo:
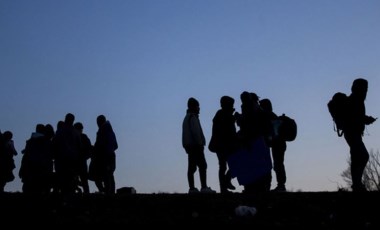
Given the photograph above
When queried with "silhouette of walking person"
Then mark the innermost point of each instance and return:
(193, 141)
(223, 140)
(278, 146)
(353, 132)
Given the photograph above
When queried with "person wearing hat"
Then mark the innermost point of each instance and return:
(193, 141)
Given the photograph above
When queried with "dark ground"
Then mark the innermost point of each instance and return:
(319, 210)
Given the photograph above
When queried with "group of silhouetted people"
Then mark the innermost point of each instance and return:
(56, 161)
(247, 144)
(254, 123)
(258, 135)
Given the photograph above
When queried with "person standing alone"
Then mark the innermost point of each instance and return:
(103, 161)
(353, 132)
(193, 141)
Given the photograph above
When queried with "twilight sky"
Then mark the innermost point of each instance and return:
(138, 61)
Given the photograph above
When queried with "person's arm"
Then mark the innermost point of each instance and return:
(369, 120)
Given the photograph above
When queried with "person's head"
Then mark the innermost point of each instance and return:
(60, 125)
(245, 97)
(360, 87)
(69, 119)
(8, 135)
(40, 128)
(193, 105)
(249, 97)
(78, 126)
(266, 105)
(254, 98)
(227, 102)
(49, 131)
(100, 120)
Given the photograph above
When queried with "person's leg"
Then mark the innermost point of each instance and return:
(278, 155)
(222, 173)
(228, 181)
(84, 183)
(363, 159)
(99, 185)
(359, 158)
(202, 165)
(191, 169)
(83, 176)
(267, 180)
(109, 182)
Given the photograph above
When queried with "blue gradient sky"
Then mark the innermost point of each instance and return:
(137, 62)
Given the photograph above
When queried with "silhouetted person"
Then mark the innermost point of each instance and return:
(49, 134)
(49, 131)
(354, 129)
(55, 180)
(252, 121)
(67, 147)
(244, 120)
(224, 140)
(255, 127)
(103, 161)
(7, 152)
(85, 154)
(278, 146)
(36, 169)
(193, 141)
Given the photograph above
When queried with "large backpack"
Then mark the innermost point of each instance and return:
(338, 110)
(288, 128)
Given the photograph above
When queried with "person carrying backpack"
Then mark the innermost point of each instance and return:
(278, 147)
(356, 120)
